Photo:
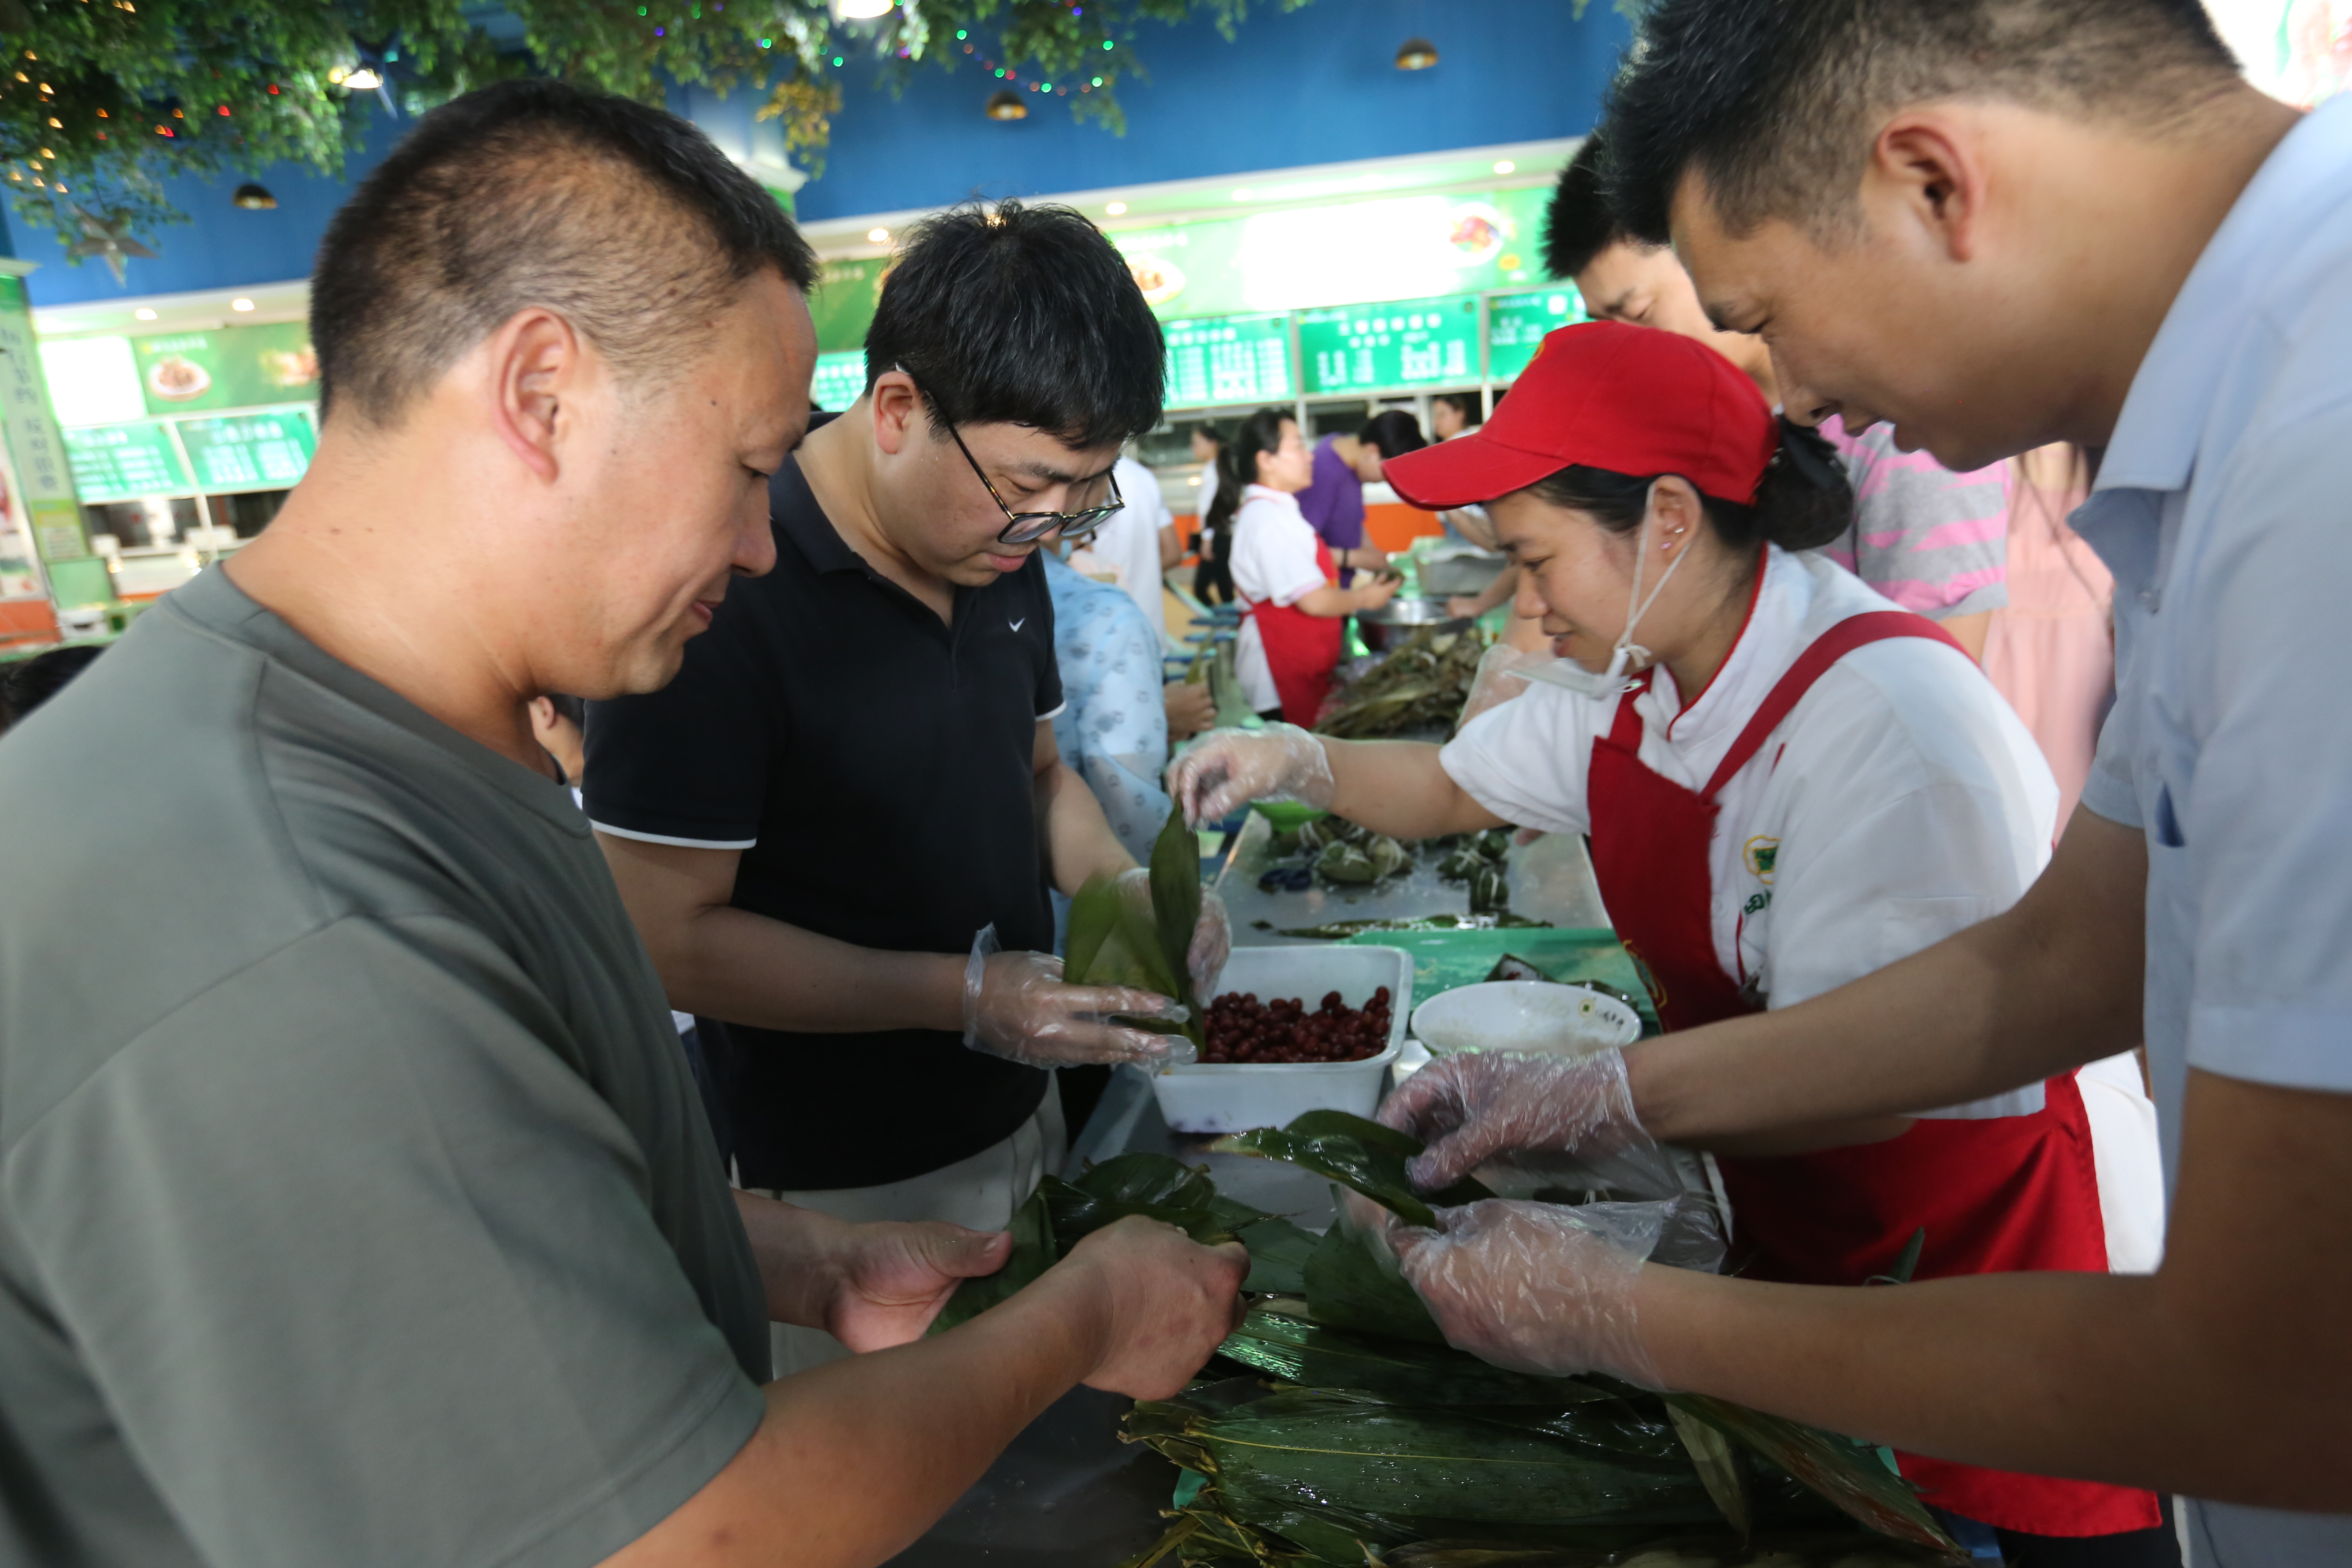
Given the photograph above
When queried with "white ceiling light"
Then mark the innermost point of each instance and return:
(1243, 195)
(144, 313)
(1504, 167)
(1115, 208)
(363, 80)
(879, 235)
(240, 304)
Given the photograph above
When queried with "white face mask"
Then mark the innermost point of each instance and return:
(1613, 681)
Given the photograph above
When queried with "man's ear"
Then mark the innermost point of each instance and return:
(897, 411)
(1927, 167)
(537, 365)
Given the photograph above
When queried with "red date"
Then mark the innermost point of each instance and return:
(1240, 1028)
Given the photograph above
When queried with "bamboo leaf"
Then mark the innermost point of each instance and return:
(1316, 1356)
(1722, 1469)
(1371, 1134)
(1033, 1253)
(1146, 1178)
(1094, 914)
(1307, 1450)
(1278, 1253)
(1846, 1474)
(1352, 1283)
(1078, 1214)
(1176, 898)
(1359, 1154)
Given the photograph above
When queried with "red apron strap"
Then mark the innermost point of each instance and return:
(1854, 632)
(1626, 730)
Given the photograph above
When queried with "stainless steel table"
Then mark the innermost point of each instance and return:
(1550, 881)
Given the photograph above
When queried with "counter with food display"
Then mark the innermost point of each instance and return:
(182, 444)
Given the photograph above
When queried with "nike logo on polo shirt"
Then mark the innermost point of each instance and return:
(1018, 624)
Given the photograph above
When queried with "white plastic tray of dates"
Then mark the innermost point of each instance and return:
(1257, 1086)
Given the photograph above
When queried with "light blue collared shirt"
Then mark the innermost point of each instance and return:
(2225, 508)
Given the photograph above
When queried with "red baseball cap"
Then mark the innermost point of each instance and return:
(1632, 400)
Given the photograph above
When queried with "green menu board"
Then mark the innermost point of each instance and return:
(843, 303)
(229, 367)
(124, 462)
(840, 379)
(1229, 359)
(1382, 348)
(266, 451)
(1516, 323)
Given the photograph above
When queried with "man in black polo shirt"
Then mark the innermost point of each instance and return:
(855, 776)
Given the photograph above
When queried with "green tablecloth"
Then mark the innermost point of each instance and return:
(1442, 960)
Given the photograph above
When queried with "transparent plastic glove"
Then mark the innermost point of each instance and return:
(1498, 678)
(1016, 1005)
(1212, 933)
(1226, 770)
(1539, 1288)
(1473, 1106)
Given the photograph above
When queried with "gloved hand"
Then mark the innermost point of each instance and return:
(1016, 1005)
(1212, 943)
(1226, 770)
(1539, 1287)
(1471, 1107)
(1498, 678)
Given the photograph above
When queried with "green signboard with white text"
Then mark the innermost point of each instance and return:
(1517, 323)
(839, 380)
(1392, 347)
(263, 451)
(125, 462)
(1229, 359)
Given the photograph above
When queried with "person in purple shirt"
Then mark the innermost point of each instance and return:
(1344, 465)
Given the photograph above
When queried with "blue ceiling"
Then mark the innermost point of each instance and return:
(1313, 86)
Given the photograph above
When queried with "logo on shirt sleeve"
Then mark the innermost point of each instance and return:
(1760, 853)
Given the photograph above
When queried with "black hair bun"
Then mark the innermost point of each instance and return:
(1805, 501)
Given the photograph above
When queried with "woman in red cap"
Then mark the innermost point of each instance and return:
(1788, 783)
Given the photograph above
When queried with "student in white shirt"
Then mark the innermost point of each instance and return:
(1793, 784)
(1137, 543)
(1293, 610)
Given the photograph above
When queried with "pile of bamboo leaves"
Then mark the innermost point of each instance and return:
(1419, 686)
(1337, 1428)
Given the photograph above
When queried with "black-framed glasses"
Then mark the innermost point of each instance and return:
(1028, 527)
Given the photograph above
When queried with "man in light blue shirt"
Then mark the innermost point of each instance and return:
(1995, 224)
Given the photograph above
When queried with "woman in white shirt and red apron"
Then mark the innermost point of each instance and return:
(1294, 612)
(1793, 784)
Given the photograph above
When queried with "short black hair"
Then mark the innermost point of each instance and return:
(1021, 315)
(1774, 104)
(622, 218)
(1393, 432)
(1579, 223)
(28, 683)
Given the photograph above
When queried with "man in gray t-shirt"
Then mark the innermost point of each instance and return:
(344, 1047)
(356, 1203)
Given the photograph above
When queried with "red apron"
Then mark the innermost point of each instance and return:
(1301, 650)
(1998, 1195)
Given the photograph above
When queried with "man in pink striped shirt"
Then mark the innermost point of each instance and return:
(1931, 540)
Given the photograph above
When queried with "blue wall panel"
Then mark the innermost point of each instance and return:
(1315, 86)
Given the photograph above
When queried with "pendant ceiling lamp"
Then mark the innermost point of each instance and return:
(1005, 104)
(1417, 55)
